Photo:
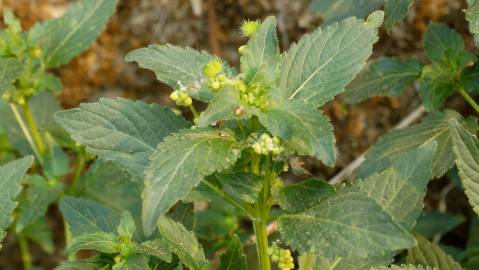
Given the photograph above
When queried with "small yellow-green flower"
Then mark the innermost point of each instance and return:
(249, 28)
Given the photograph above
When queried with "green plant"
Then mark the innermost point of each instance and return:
(135, 205)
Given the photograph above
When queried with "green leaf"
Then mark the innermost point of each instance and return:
(79, 265)
(304, 129)
(184, 214)
(472, 16)
(40, 233)
(177, 67)
(183, 243)
(396, 10)
(34, 201)
(181, 162)
(10, 176)
(311, 191)
(440, 40)
(386, 77)
(322, 63)
(224, 106)
(435, 85)
(242, 186)
(157, 248)
(335, 10)
(127, 225)
(347, 217)
(10, 69)
(233, 258)
(404, 267)
(431, 223)
(470, 79)
(65, 37)
(123, 131)
(396, 143)
(429, 254)
(400, 190)
(86, 216)
(121, 194)
(309, 261)
(261, 57)
(99, 241)
(466, 150)
(132, 262)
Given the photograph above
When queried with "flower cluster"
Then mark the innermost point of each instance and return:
(249, 28)
(253, 94)
(267, 144)
(282, 257)
(181, 98)
(214, 72)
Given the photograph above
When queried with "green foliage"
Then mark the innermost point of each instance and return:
(431, 223)
(233, 258)
(10, 176)
(472, 16)
(395, 11)
(385, 77)
(429, 254)
(65, 37)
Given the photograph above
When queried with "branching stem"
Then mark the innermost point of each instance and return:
(469, 99)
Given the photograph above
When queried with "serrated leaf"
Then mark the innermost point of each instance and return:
(396, 143)
(10, 69)
(184, 214)
(65, 37)
(10, 176)
(335, 10)
(386, 77)
(466, 150)
(322, 63)
(242, 186)
(470, 79)
(440, 40)
(86, 216)
(404, 267)
(429, 254)
(183, 243)
(35, 199)
(435, 85)
(157, 248)
(396, 10)
(311, 191)
(123, 131)
(132, 262)
(472, 16)
(309, 261)
(431, 223)
(400, 190)
(127, 226)
(304, 129)
(261, 57)
(233, 258)
(177, 66)
(99, 241)
(181, 162)
(347, 217)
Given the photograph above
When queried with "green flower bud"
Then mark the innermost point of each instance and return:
(249, 28)
(174, 95)
(215, 85)
(242, 49)
(213, 68)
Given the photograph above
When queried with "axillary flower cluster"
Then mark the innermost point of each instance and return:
(282, 257)
(268, 145)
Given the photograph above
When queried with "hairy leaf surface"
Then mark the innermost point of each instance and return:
(180, 163)
(439, 39)
(322, 63)
(10, 69)
(233, 258)
(335, 10)
(99, 241)
(347, 217)
(120, 130)
(242, 186)
(65, 37)
(429, 254)
(396, 10)
(472, 16)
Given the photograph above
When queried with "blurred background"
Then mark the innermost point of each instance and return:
(213, 25)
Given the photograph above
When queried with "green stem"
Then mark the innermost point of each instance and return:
(68, 239)
(37, 138)
(26, 258)
(259, 226)
(194, 111)
(80, 163)
(469, 99)
(26, 132)
(233, 201)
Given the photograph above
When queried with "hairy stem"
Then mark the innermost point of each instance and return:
(68, 239)
(80, 163)
(194, 111)
(469, 99)
(26, 132)
(26, 258)
(259, 226)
